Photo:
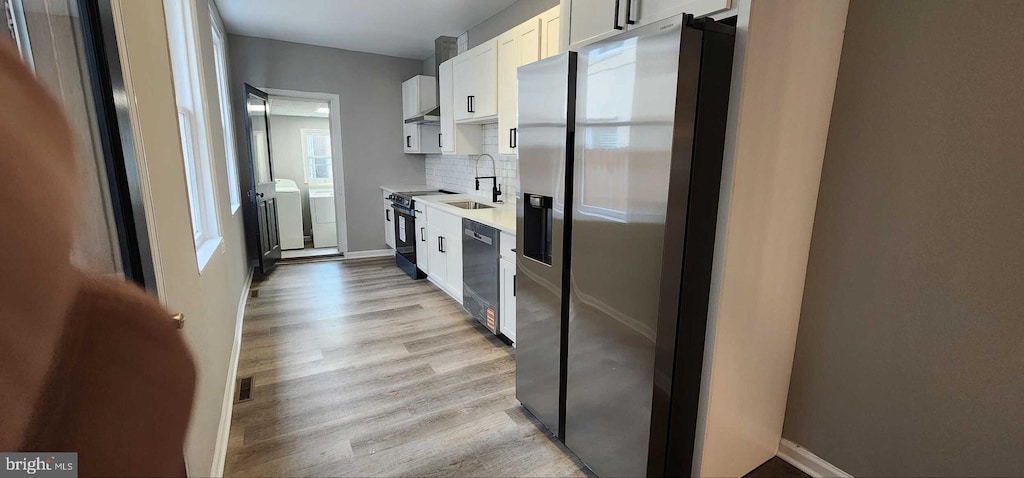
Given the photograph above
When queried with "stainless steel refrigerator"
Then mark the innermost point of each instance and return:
(620, 159)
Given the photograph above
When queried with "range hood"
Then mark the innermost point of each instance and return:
(445, 48)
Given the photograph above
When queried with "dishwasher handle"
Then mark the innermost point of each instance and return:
(480, 237)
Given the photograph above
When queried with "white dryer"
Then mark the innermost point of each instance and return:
(321, 212)
(289, 214)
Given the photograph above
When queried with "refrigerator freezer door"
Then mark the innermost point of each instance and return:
(546, 92)
(625, 125)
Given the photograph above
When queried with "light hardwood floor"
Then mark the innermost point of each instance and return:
(361, 371)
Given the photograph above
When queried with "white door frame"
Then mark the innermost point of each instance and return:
(337, 159)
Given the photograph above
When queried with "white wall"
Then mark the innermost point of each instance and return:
(209, 300)
(286, 154)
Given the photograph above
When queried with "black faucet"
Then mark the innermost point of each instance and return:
(495, 188)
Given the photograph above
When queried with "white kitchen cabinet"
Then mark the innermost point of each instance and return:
(464, 139)
(507, 290)
(506, 285)
(389, 221)
(650, 11)
(419, 95)
(444, 242)
(422, 139)
(422, 246)
(550, 25)
(529, 41)
(601, 19)
(475, 75)
(508, 62)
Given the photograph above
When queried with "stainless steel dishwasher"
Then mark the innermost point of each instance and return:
(480, 273)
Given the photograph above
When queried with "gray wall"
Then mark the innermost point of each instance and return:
(910, 354)
(286, 155)
(370, 87)
(502, 21)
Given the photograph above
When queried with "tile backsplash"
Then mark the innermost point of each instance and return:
(455, 173)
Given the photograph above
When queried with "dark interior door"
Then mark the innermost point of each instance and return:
(261, 215)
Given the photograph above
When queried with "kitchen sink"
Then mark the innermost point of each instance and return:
(469, 205)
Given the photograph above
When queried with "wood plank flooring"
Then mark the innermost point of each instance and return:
(361, 371)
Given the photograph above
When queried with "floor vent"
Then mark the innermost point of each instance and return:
(245, 389)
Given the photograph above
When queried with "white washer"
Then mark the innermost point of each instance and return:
(321, 211)
(289, 214)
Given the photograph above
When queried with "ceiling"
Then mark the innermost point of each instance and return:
(402, 28)
(288, 107)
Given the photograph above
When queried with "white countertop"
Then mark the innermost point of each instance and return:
(406, 187)
(501, 216)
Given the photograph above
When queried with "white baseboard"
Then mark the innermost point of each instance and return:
(220, 454)
(808, 462)
(368, 254)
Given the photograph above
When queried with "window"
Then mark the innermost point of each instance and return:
(220, 58)
(195, 149)
(316, 151)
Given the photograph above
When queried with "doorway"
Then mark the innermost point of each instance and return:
(304, 154)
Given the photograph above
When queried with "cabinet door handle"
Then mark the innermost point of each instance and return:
(387, 214)
(514, 138)
(469, 104)
(514, 285)
(629, 13)
(423, 236)
(440, 243)
(439, 140)
(408, 139)
(615, 21)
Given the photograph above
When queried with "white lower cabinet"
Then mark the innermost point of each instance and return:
(389, 222)
(422, 246)
(507, 286)
(507, 290)
(444, 251)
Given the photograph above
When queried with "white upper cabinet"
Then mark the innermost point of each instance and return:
(643, 12)
(461, 139)
(485, 83)
(600, 19)
(508, 62)
(596, 20)
(476, 83)
(551, 26)
(422, 139)
(419, 96)
(529, 41)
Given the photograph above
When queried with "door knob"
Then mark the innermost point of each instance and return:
(180, 319)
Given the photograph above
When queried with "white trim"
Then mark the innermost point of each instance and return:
(808, 462)
(337, 158)
(370, 253)
(220, 453)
